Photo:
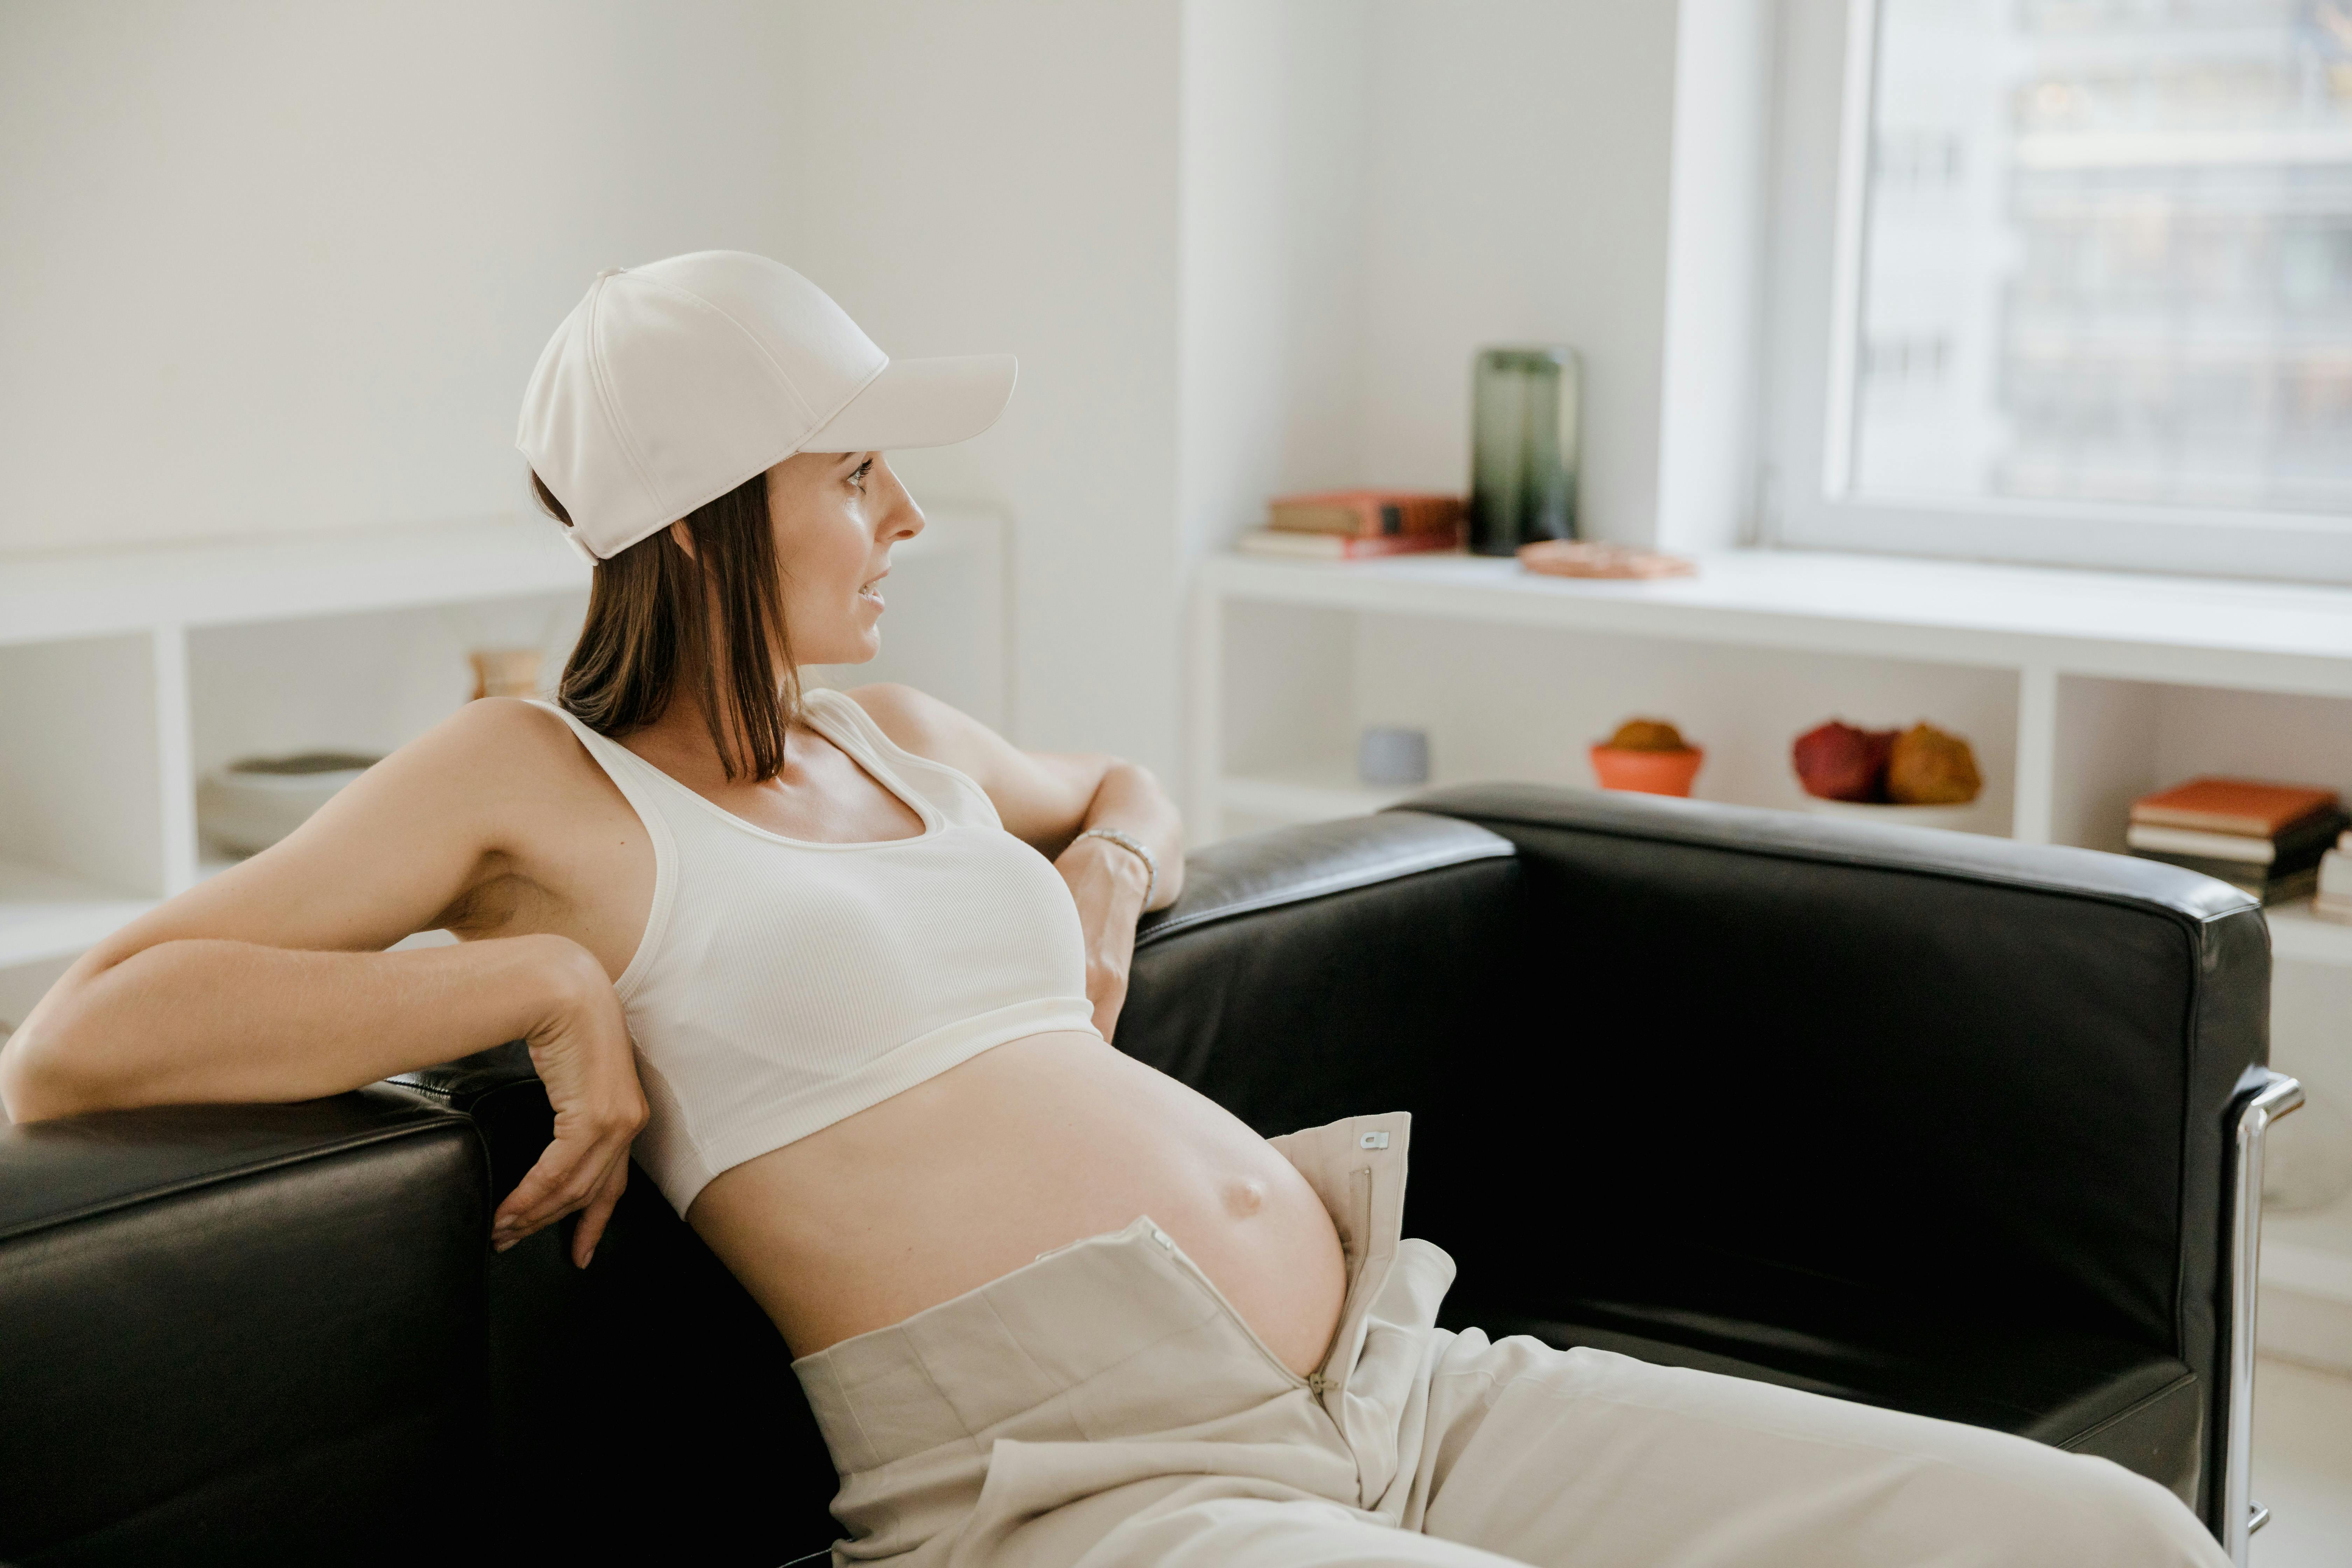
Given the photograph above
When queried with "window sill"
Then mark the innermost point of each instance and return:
(2197, 631)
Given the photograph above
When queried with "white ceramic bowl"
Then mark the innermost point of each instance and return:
(249, 805)
(1967, 817)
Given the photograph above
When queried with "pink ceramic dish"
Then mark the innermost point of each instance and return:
(1648, 773)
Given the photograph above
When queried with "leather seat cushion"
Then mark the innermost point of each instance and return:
(2083, 1392)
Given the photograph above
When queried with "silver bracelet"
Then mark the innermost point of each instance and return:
(1133, 845)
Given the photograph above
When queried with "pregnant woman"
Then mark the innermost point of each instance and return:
(844, 968)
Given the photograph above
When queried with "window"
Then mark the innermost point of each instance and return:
(2080, 285)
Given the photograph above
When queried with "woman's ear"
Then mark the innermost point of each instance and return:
(683, 537)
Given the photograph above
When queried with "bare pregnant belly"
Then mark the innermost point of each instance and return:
(1037, 1143)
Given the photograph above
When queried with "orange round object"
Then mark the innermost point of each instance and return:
(1647, 773)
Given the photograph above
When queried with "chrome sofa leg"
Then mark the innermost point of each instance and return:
(2241, 1515)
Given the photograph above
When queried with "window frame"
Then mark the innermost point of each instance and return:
(1825, 58)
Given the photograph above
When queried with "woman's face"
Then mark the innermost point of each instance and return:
(836, 516)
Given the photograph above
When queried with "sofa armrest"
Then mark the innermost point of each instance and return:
(499, 1090)
(240, 1333)
(1987, 1078)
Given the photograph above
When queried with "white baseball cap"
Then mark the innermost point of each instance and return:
(672, 383)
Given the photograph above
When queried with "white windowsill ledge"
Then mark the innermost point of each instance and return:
(2195, 631)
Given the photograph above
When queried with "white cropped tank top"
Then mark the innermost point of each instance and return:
(782, 985)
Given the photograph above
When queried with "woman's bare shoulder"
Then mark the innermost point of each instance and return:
(1038, 796)
(914, 720)
(505, 725)
(493, 752)
(391, 852)
(921, 724)
(518, 765)
(498, 777)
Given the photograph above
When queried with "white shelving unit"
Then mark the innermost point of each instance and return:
(124, 673)
(2078, 691)
(45, 914)
(2298, 936)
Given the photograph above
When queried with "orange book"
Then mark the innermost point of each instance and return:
(1366, 514)
(2240, 806)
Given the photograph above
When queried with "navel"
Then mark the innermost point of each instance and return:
(1245, 1196)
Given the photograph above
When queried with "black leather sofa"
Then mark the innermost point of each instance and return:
(1928, 1120)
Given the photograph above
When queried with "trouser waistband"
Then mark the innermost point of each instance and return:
(1114, 1335)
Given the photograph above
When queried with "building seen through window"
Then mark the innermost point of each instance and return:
(2108, 255)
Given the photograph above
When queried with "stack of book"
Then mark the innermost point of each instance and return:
(2266, 839)
(1347, 525)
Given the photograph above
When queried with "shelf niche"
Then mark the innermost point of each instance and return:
(1525, 703)
(83, 840)
(367, 683)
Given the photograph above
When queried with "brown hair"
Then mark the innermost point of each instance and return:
(657, 615)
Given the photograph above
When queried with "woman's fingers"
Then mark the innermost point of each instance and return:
(584, 1060)
(599, 1212)
(542, 1197)
(571, 1173)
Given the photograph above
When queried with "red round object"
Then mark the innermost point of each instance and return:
(1839, 761)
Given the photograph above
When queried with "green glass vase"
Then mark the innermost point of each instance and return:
(1524, 439)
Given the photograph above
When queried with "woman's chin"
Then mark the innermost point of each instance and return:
(840, 645)
(859, 652)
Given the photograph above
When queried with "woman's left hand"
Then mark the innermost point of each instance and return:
(1108, 884)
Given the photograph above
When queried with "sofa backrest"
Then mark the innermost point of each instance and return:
(1938, 1062)
(1274, 987)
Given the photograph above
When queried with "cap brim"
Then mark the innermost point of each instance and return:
(920, 403)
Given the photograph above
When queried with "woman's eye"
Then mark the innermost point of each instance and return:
(859, 478)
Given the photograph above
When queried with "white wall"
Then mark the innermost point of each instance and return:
(1273, 119)
(1374, 190)
(1001, 175)
(1708, 405)
(275, 268)
(272, 268)
(1519, 194)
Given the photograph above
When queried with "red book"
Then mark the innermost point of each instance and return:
(1366, 514)
(2240, 806)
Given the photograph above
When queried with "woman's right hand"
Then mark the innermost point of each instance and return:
(580, 1048)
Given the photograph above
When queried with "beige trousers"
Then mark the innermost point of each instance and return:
(1105, 1407)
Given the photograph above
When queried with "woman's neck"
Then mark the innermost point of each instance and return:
(681, 745)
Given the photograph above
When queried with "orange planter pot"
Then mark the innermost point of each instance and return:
(1649, 772)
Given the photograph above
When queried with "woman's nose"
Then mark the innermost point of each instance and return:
(904, 519)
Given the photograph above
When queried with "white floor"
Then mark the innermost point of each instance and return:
(2303, 1466)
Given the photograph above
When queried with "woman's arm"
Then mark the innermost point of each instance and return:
(265, 982)
(1049, 800)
